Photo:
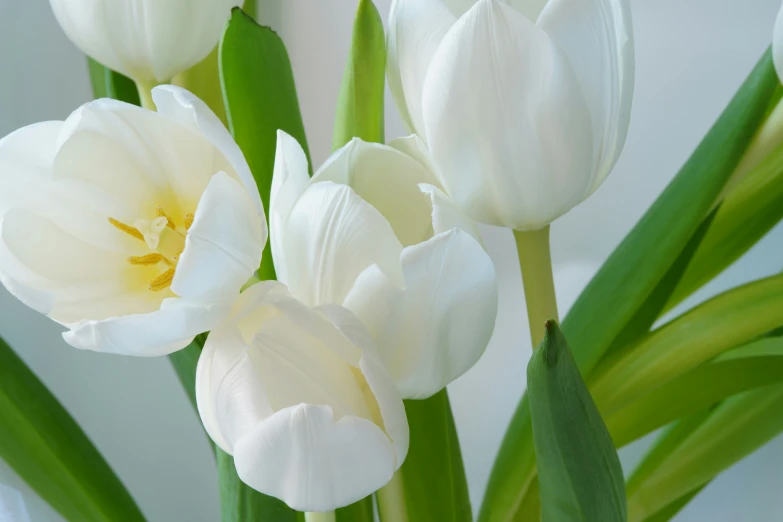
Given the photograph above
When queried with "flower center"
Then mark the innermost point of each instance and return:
(165, 240)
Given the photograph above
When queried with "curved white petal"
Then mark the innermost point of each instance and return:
(331, 236)
(530, 8)
(777, 43)
(436, 327)
(447, 215)
(224, 245)
(187, 109)
(597, 37)
(282, 388)
(388, 180)
(506, 120)
(289, 180)
(148, 40)
(416, 28)
(162, 332)
(416, 148)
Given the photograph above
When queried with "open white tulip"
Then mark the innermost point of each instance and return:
(524, 104)
(302, 402)
(372, 231)
(149, 41)
(134, 229)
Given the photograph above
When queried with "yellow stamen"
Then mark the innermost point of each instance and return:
(149, 259)
(188, 221)
(127, 229)
(170, 222)
(163, 281)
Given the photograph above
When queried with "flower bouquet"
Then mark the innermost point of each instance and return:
(315, 314)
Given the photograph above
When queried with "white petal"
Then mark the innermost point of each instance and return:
(506, 120)
(162, 332)
(288, 182)
(331, 237)
(437, 326)
(447, 215)
(311, 461)
(388, 180)
(416, 28)
(597, 37)
(777, 43)
(275, 390)
(147, 40)
(530, 8)
(187, 109)
(416, 148)
(224, 245)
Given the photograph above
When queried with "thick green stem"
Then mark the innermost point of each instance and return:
(391, 501)
(320, 517)
(535, 261)
(145, 95)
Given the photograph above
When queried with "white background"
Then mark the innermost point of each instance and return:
(691, 57)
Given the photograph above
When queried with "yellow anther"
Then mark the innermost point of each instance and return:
(170, 222)
(188, 221)
(149, 259)
(163, 281)
(127, 229)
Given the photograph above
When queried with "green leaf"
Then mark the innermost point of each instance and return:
(360, 105)
(675, 507)
(109, 84)
(260, 97)
(694, 451)
(361, 511)
(251, 8)
(749, 211)
(580, 476)
(238, 501)
(731, 319)
(633, 272)
(695, 391)
(640, 262)
(433, 475)
(45, 446)
(203, 80)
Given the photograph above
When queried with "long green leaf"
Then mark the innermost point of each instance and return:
(698, 452)
(692, 392)
(238, 501)
(634, 270)
(360, 105)
(48, 450)
(109, 84)
(433, 474)
(749, 211)
(667, 513)
(260, 97)
(729, 320)
(580, 476)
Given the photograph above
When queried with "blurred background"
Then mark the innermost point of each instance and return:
(691, 57)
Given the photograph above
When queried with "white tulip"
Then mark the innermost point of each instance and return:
(372, 231)
(150, 41)
(524, 104)
(299, 398)
(134, 229)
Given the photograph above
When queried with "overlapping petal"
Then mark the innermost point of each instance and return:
(295, 395)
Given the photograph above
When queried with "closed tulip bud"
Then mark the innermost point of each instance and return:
(149, 41)
(524, 104)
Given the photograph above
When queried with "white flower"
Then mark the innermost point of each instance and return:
(299, 398)
(525, 110)
(134, 229)
(373, 232)
(149, 40)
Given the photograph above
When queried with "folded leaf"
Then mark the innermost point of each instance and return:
(260, 98)
(694, 451)
(45, 446)
(695, 391)
(580, 476)
(360, 105)
(433, 475)
(731, 319)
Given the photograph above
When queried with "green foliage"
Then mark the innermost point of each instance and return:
(109, 84)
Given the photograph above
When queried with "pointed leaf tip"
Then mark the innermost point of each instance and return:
(552, 343)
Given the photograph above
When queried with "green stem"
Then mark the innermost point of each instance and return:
(535, 261)
(320, 517)
(391, 501)
(145, 95)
